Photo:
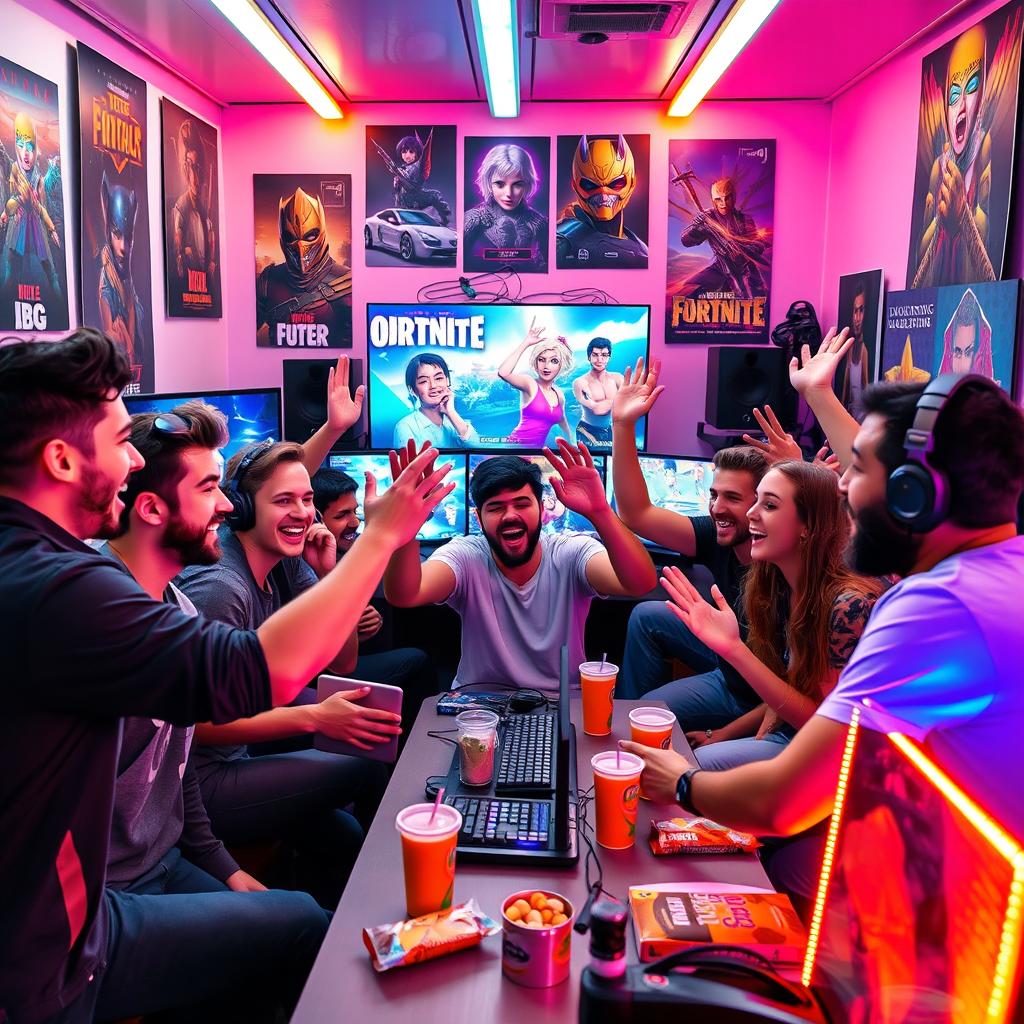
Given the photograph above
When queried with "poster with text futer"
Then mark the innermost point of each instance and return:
(115, 237)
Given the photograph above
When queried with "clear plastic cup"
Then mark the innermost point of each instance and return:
(597, 681)
(428, 856)
(616, 788)
(478, 740)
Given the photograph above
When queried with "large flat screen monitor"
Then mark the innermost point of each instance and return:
(481, 389)
(554, 516)
(674, 482)
(448, 519)
(253, 415)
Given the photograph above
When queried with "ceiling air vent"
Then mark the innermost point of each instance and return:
(560, 19)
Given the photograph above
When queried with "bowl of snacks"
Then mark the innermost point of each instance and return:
(537, 933)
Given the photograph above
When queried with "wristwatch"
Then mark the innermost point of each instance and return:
(683, 791)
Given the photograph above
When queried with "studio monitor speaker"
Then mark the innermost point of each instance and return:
(741, 377)
(305, 400)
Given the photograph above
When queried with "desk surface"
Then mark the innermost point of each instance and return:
(469, 986)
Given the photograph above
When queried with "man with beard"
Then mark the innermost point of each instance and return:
(939, 660)
(857, 369)
(522, 593)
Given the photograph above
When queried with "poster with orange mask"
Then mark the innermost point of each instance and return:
(965, 142)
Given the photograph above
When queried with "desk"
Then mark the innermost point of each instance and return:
(469, 986)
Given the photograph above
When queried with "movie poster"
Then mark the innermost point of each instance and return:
(602, 199)
(410, 196)
(860, 309)
(506, 189)
(909, 339)
(721, 212)
(191, 210)
(116, 273)
(303, 225)
(965, 144)
(33, 269)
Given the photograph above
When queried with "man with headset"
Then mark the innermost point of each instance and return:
(932, 482)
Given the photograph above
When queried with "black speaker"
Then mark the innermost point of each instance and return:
(305, 400)
(741, 377)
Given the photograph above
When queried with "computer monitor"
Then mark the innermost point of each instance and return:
(448, 519)
(555, 517)
(253, 414)
(676, 482)
(470, 342)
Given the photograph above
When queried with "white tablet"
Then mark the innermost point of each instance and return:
(381, 696)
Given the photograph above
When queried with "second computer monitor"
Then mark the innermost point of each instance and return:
(673, 482)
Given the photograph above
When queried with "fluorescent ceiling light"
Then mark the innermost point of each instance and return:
(739, 28)
(253, 24)
(497, 37)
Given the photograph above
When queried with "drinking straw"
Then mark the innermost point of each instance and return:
(604, 658)
(437, 803)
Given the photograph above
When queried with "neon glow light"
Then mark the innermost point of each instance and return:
(266, 40)
(736, 31)
(497, 37)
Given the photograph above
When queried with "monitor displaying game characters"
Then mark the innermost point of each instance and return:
(673, 482)
(554, 516)
(448, 518)
(468, 375)
(253, 414)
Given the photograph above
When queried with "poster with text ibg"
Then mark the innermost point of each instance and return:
(721, 214)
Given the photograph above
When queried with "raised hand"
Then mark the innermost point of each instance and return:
(638, 393)
(778, 446)
(534, 335)
(715, 624)
(578, 484)
(395, 517)
(342, 408)
(320, 550)
(810, 373)
(827, 460)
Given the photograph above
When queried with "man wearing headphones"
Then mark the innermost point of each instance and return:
(933, 480)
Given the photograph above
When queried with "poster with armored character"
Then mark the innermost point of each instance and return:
(116, 288)
(33, 268)
(410, 196)
(303, 226)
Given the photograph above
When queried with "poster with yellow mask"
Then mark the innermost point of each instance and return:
(965, 141)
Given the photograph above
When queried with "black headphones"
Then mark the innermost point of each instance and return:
(917, 494)
(243, 509)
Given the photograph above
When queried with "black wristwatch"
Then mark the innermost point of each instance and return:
(683, 791)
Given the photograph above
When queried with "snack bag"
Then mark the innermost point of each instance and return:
(698, 835)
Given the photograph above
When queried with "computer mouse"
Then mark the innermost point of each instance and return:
(526, 700)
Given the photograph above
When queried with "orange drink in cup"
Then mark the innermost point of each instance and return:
(597, 680)
(616, 788)
(651, 727)
(428, 856)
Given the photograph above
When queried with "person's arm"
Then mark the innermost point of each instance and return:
(197, 842)
(506, 371)
(320, 554)
(410, 583)
(738, 728)
(582, 397)
(342, 411)
(464, 430)
(639, 392)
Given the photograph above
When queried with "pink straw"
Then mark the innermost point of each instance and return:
(618, 758)
(604, 658)
(437, 803)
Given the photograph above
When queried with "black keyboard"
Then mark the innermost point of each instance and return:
(504, 824)
(527, 754)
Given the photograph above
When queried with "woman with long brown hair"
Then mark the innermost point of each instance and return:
(805, 611)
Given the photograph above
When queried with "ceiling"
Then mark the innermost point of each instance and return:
(397, 51)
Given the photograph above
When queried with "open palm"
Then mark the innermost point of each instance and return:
(810, 373)
(639, 391)
(578, 484)
(714, 624)
(343, 409)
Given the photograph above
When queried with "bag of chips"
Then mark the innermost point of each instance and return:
(698, 835)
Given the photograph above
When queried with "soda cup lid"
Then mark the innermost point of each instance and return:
(595, 668)
(616, 764)
(652, 718)
(414, 820)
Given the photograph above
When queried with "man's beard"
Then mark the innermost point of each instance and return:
(191, 543)
(99, 520)
(513, 563)
(880, 546)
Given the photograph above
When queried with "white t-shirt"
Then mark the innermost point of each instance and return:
(942, 660)
(514, 634)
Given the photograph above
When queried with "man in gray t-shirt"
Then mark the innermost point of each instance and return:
(522, 594)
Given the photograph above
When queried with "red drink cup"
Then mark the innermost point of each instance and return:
(616, 787)
(428, 856)
(651, 727)
(597, 680)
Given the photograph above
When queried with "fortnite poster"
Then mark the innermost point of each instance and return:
(33, 269)
(303, 226)
(506, 189)
(410, 196)
(116, 272)
(965, 143)
(191, 211)
(721, 212)
(497, 376)
(602, 197)
(860, 309)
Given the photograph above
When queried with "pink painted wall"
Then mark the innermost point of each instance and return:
(291, 138)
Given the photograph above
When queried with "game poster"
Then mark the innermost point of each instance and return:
(410, 196)
(860, 309)
(191, 211)
(720, 219)
(116, 270)
(909, 339)
(965, 154)
(303, 226)
(602, 200)
(506, 192)
(33, 268)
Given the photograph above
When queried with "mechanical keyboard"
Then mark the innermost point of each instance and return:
(504, 824)
(527, 753)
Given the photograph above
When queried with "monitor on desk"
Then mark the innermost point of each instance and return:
(675, 482)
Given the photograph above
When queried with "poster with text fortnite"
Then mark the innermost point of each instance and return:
(116, 272)
(720, 219)
(33, 269)
(965, 150)
(495, 376)
(602, 198)
(303, 228)
(410, 196)
(506, 189)
(191, 212)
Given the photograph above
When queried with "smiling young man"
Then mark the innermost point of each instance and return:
(717, 697)
(522, 593)
(595, 391)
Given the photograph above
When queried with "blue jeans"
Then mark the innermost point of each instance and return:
(719, 757)
(179, 939)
